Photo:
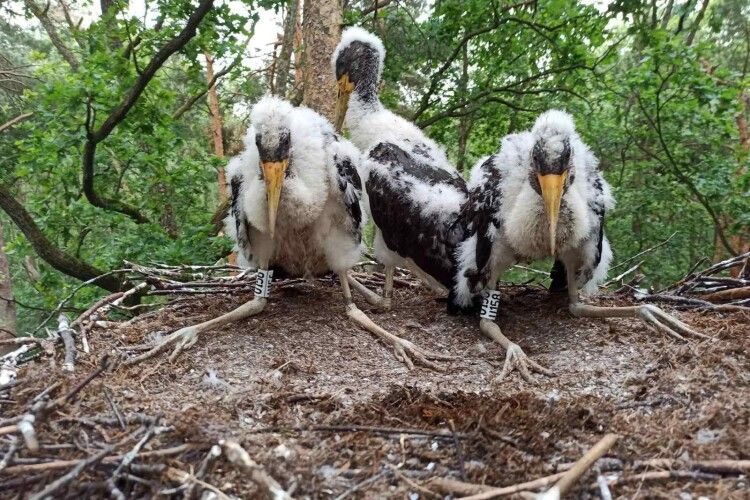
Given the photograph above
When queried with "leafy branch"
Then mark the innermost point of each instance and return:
(118, 114)
(435, 79)
(55, 257)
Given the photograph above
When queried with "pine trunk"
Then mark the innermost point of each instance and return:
(287, 46)
(217, 135)
(321, 30)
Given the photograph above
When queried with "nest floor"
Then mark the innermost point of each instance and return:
(327, 410)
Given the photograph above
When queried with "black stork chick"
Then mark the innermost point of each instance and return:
(543, 195)
(296, 205)
(414, 193)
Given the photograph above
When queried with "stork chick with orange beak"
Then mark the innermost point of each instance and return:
(542, 195)
(296, 206)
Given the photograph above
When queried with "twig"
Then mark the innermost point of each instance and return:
(604, 490)
(362, 428)
(128, 458)
(237, 455)
(21, 340)
(114, 491)
(66, 334)
(103, 365)
(580, 467)
(730, 294)
(719, 466)
(63, 464)
(10, 362)
(621, 276)
(483, 492)
(663, 474)
(459, 452)
(91, 310)
(184, 477)
(64, 301)
(213, 454)
(644, 252)
(366, 482)
(412, 483)
(113, 407)
(9, 454)
(70, 476)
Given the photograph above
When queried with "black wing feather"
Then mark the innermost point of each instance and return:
(478, 216)
(350, 186)
(428, 241)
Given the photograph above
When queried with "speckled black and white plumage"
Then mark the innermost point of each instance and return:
(509, 215)
(321, 213)
(414, 194)
(415, 206)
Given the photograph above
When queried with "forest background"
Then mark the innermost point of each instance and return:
(116, 118)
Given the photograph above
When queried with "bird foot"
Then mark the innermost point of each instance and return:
(515, 358)
(403, 349)
(183, 339)
(656, 319)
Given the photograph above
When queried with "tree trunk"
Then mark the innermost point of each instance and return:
(217, 134)
(697, 23)
(216, 127)
(295, 95)
(742, 241)
(321, 30)
(287, 46)
(7, 306)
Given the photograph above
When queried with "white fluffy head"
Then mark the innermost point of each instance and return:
(270, 119)
(552, 124)
(357, 34)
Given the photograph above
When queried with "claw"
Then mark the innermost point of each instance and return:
(404, 350)
(653, 317)
(656, 318)
(515, 358)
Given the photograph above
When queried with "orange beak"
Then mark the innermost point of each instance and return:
(552, 188)
(345, 89)
(273, 173)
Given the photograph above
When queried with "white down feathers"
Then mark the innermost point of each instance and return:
(314, 230)
(524, 234)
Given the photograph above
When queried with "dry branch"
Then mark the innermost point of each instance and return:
(66, 334)
(70, 476)
(580, 467)
(482, 492)
(237, 455)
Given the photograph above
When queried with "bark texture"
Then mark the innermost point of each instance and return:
(7, 306)
(321, 30)
(287, 46)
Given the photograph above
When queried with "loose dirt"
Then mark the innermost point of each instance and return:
(300, 387)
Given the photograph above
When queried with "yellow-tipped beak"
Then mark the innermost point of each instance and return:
(552, 188)
(273, 173)
(345, 88)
